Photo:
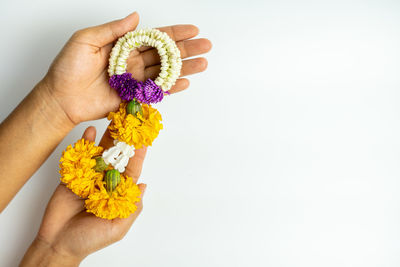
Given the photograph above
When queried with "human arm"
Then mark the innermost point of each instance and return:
(68, 233)
(76, 89)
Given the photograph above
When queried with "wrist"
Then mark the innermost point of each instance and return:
(29, 135)
(52, 110)
(43, 254)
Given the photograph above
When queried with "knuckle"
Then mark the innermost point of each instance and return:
(79, 34)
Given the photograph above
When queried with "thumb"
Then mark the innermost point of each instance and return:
(104, 34)
(90, 134)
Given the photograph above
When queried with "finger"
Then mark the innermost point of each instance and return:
(180, 85)
(190, 66)
(64, 199)
(90, 134)
(63, 205)
(135, 164)
(188, 48)
(106, 141)
(115, 229)
(104, 34)
(177, 33)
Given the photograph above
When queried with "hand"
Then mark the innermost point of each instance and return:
(68, 233)
(76, 89)
(78, 78)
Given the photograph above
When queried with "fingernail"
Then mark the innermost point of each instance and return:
(134, 13)
(144, 189)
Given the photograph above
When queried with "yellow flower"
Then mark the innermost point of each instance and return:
(119, 204)
(140, 131)
(76, 166)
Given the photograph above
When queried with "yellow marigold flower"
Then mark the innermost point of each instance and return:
(76, 167)
(137, 131)
(119, 204)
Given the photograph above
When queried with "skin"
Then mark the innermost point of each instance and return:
(74, 90)
(59, 240)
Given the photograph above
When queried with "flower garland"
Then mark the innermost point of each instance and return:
(96, 174)
(171, 62)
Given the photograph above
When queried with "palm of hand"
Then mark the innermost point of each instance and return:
(73, 232)
(78, 80)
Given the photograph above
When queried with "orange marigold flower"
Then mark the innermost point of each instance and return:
(76, 167)
(137, 131)
(119, 204)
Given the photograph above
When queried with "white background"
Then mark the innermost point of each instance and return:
(286, 152)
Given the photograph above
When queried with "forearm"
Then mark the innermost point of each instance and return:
(27, 137)
(41, 254)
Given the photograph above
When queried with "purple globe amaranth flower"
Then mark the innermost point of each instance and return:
(125, 85)
(127, 92)
(128, 88)
(117, 81)
(149, 92)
